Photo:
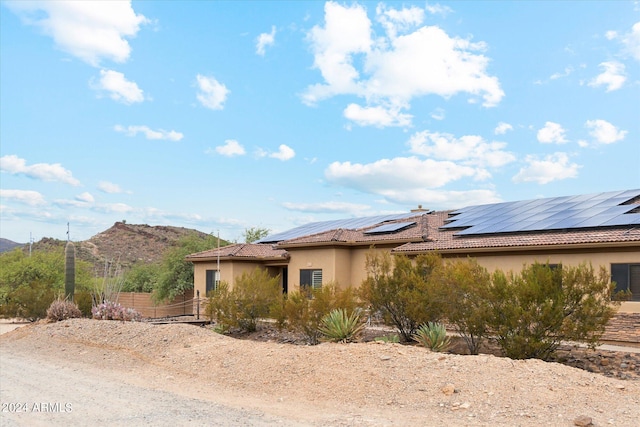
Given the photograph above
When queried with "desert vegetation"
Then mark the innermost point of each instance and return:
(527, 314)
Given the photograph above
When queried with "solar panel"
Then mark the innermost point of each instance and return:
(322, 226)
(587, 210)
(390, 228)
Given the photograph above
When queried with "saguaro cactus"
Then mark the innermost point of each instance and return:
(69, 271)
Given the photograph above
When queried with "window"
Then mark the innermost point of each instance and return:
(213, 279)
(627, 278)
(311, 278)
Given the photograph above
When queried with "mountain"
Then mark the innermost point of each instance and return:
(124, 244)
(7, 245)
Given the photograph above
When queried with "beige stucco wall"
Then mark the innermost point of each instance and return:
(345, 265)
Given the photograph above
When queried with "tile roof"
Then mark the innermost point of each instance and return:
(240, 250)
(427, 235)
(359, 236)
(442, 239)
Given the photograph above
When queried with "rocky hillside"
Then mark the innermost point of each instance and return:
(7, 245)
(124, 244)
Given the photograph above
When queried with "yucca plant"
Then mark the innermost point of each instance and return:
(338, 326)
(432, 335)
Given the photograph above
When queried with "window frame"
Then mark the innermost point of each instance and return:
(310, 278)
(211, 280)
(622, 275)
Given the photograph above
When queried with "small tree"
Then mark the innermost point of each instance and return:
(303, 311)
(402, 290)
(537, 309)
(255, 294)
(254, 234)
(253, 297)
(464, 295)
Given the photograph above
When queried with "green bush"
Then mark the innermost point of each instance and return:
(403, 291)
(62, 309)
(29, 301)
(303, 311)
(338, 326)
(464, 296)
(532, 312)
(432, 335)
(254, 296)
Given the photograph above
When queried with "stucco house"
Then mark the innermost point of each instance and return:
(601, 228)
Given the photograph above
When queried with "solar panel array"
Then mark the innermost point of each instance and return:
(390, 228)
(556, 213)
(322, 226)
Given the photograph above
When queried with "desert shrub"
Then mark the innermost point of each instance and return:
(62, 309)
(220, 307)
(338, 326)
(403, 291)
(303, 311)
(254, 296)
(29, 301)
(432, 335)
(393, 338)
(537, 309)
(464, 296)
(84, 301)
(109, 310)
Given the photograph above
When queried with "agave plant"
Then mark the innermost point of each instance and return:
(432, 335)
(337, 326)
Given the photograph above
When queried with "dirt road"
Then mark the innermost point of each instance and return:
(99, 373)
(35, 391)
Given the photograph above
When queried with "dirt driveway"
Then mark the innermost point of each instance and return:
(115, 373)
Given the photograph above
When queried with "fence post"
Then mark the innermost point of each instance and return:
(198, 304)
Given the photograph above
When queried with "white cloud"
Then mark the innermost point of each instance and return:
(553, 167)
(284, 153)
(611, 35)
(613, 76)
(85, 197)
(231, 148)
(110, 188)
(442, 199)
(395, 67)
(377, 116)
(502, 128)
(28, 197)
(264, 40)
(386, 176)
(438, 9)
(120, 89)
(89, 30)
(567, 71)
(631, 41)
(551, 133)
(212, 94)
(83, 200)
(118, 208)
(471, 150)
(43, 171)
(438, 114)
(399, 20)
(604, 132)
(149, 133)
(327, 207)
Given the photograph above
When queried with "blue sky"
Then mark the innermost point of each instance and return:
(221, 116)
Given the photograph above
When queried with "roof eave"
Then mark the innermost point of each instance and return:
(539, 248)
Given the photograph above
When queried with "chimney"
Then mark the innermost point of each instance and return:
(420, 209)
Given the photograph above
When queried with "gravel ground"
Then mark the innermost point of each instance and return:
(264, 383)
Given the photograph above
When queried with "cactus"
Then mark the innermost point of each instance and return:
(69, 271)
